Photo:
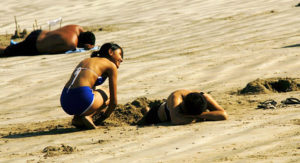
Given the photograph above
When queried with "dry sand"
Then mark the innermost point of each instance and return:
(214, 46)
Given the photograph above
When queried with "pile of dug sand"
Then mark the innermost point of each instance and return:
(5, 39)
(51, 151)
(271, 85)
(129, 114)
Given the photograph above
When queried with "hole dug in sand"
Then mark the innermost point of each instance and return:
(271, 85)
(129, 114)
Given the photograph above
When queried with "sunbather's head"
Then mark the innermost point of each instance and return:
(86, 38)
(111, 51)
(195, 103)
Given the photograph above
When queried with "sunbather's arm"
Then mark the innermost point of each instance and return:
(80, 29)
(88, 46)
(85, 46)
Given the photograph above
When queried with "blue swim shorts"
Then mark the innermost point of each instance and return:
(76, 101)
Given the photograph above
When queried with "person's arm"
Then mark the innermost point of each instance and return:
(80, 29)
(85, 46)
(174, 101)
(215, 113)
(112, 75)
(88, 46)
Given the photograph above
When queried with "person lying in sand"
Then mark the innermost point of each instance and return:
(79, 97)
(184, 107)
(51, 42)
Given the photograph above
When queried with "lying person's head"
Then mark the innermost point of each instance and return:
(195, 103)
(86, 38)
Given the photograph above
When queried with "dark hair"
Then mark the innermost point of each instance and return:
(86, 38)
(195, 103)
(103, 52)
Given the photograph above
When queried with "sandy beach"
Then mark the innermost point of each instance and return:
(217, 47)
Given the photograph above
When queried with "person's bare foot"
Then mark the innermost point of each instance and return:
(1, 51)
(88, 122)
(145, 110)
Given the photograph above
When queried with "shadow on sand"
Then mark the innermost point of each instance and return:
(292, 46)
(41, 133)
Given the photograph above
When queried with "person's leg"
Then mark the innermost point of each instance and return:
(26, 47)
(77, 122)
(14, 50)
(2, 48)
(101, 99)
(145, 110)
(150, 116)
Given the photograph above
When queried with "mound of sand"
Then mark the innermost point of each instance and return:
(97, 28)
(129, 114)
(51, 151)
(271, 85)
(5, 39)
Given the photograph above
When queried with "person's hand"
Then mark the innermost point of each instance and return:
(198, 117)
(88, 46)
(102, 116)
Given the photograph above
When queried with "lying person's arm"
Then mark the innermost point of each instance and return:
(215, 113)
(88, 46)
(174, 101)
(210, 116)
(85, 46)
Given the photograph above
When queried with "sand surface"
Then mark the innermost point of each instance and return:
(214, 46)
